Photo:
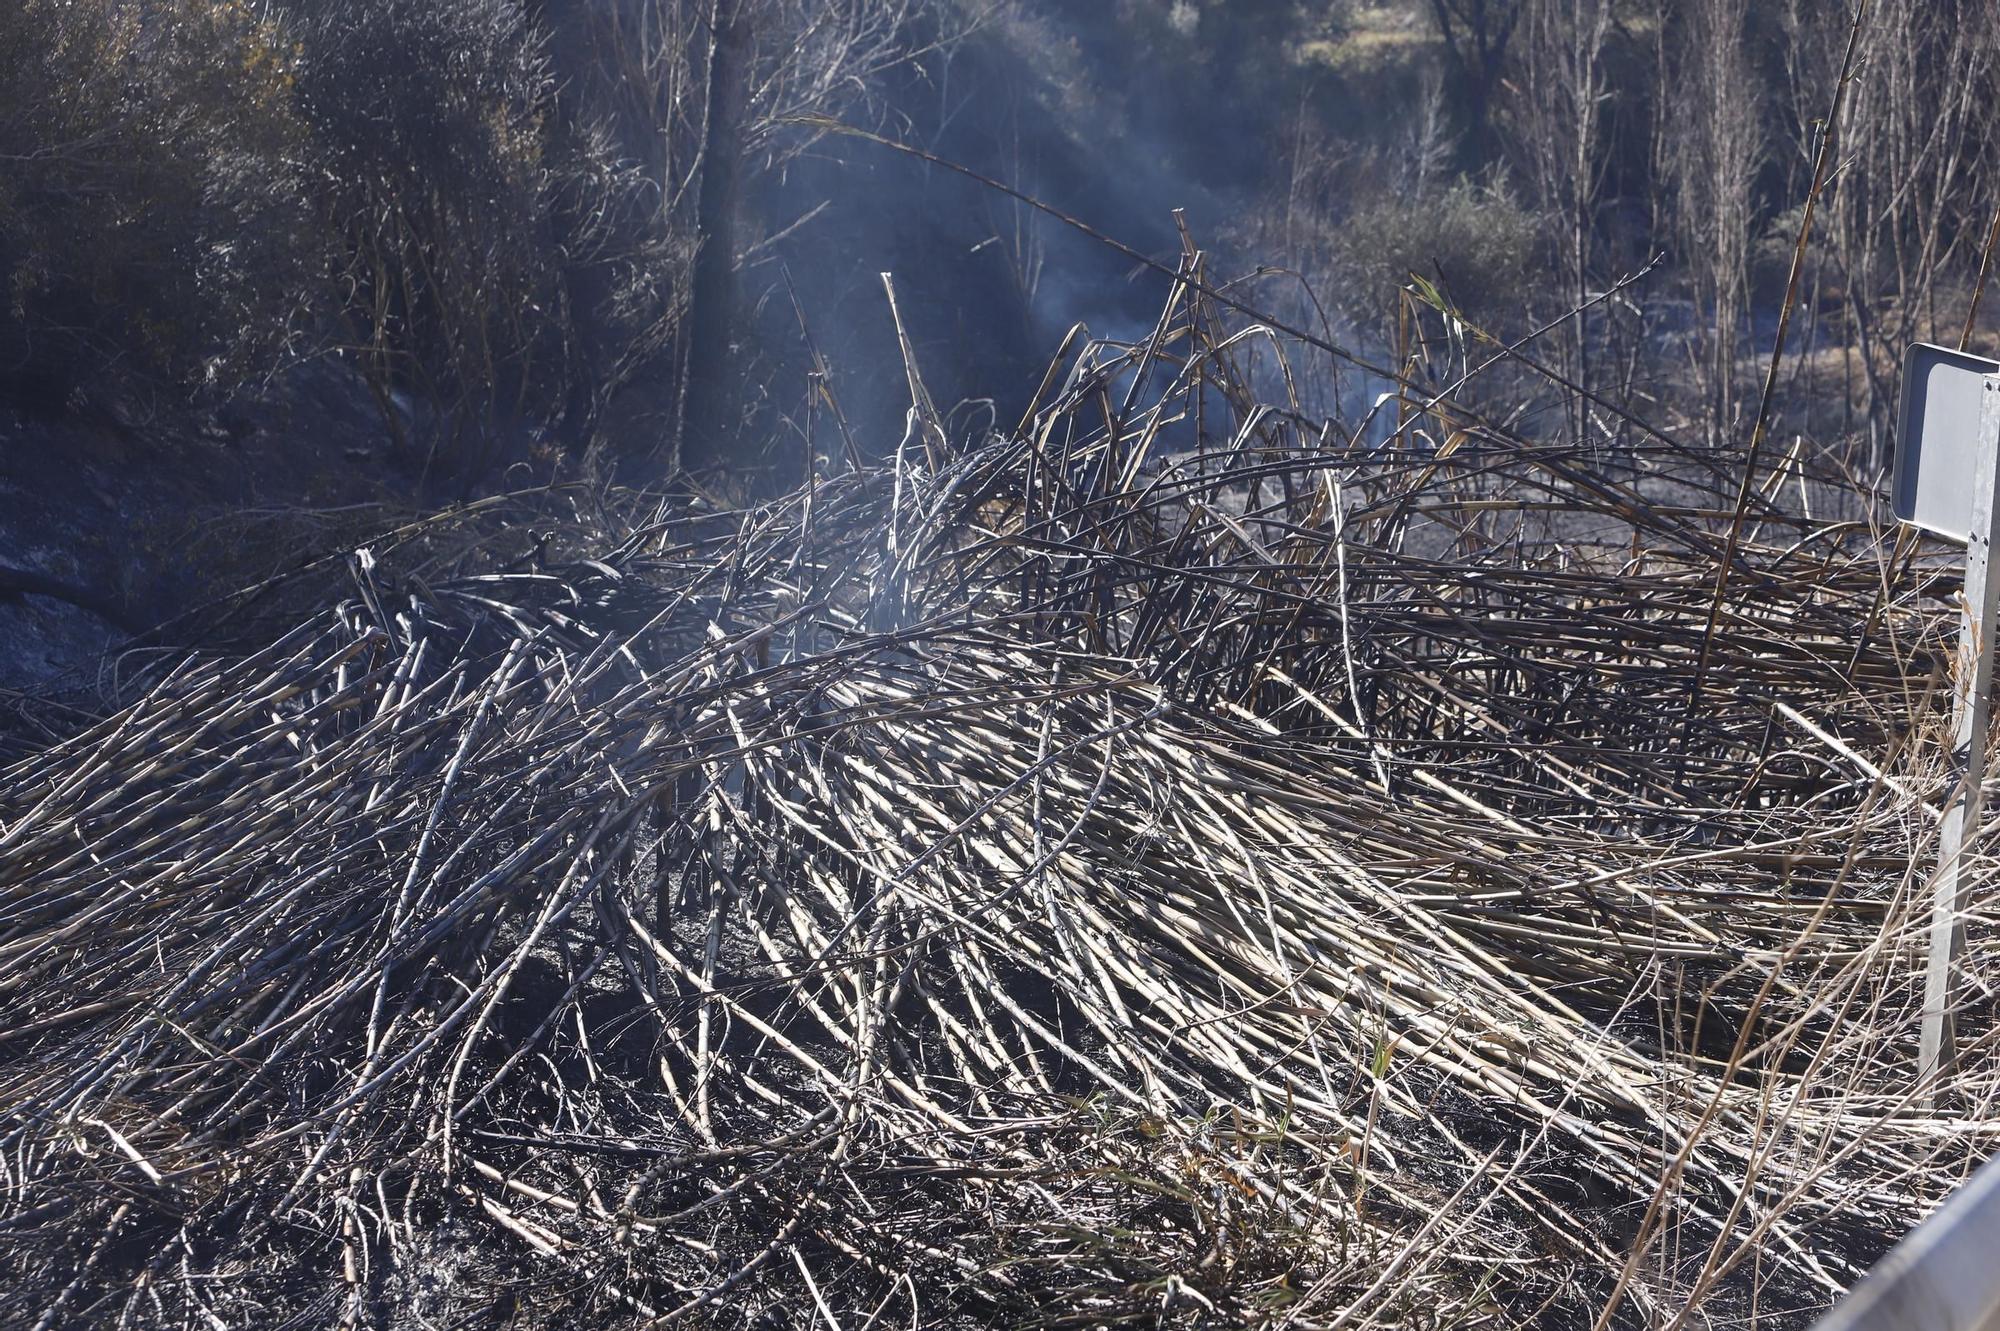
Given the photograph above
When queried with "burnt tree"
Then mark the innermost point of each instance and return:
(704, 429)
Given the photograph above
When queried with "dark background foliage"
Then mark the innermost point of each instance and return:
(493, 213)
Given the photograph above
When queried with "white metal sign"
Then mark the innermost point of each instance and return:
(1937, 438)
(1948, 481)
(1947, 473)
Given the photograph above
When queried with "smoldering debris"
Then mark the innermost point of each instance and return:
(1158, 864)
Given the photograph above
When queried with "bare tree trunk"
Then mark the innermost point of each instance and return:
(708, 391)
(1476, 34)
(1714, 162)
(1563, 91)
(1913, 197)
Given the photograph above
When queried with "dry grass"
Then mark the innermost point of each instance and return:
(1374, 35)
(1159, 865)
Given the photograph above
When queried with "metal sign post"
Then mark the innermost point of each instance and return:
(1947, 468)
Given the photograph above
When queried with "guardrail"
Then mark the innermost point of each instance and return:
(1944, 1277)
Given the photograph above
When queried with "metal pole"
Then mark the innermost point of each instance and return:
(1972, 695)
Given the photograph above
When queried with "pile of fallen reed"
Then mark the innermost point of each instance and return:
(1163, 863)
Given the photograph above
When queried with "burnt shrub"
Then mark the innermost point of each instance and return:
(491, 251)
(153, 226)
(198, 191)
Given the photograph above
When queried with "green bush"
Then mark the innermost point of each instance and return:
(1481, 241)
